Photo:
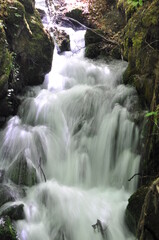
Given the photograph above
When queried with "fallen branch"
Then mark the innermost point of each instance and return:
(42, 169)
(136, 174)
(88, 28)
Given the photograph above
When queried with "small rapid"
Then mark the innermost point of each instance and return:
(80, 124)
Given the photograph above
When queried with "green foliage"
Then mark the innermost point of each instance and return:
(154, 115)
(17, 15)
(135, 3)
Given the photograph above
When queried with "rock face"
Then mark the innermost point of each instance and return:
(25, 52)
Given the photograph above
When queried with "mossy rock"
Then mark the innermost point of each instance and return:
(134, 208)
(92, 37)
(22, 172)
(32, 45)
(78, 15)
(7, 231)
(92, 51)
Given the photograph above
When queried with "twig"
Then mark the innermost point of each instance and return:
(42, 169)
(136, 174)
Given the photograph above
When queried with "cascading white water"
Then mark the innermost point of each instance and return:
(79, 124)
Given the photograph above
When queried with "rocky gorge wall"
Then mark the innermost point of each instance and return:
(25, 52)
(135, 28)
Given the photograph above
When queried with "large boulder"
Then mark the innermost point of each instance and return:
(22, 172)
(31, 44)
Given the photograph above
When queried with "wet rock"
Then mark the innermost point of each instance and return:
(32, 45)
(7, 231)
(148, 222)
(22, 172)
(2, 175)
(62, 40)
(134, 208)
(15, 212)
(6, 194)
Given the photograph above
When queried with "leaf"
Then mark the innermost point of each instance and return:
(149, 114)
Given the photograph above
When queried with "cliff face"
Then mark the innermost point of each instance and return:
(25, 51)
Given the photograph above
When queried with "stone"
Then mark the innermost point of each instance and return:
(22, 172)
(15, 212)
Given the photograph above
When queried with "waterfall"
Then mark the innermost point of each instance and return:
(79, 124)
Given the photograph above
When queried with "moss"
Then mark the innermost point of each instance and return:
(151, 17)
(140, 48)
(5, 59)
(7, 231)
(92, 51)
(127, 7)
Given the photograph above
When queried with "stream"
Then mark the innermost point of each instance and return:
(80, 124)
